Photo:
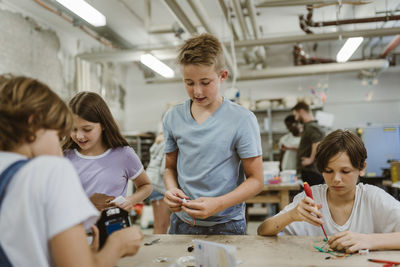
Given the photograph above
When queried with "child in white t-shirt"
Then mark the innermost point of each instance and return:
(44, 208)
(289, 143)
(357, 216)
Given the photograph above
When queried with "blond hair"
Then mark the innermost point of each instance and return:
(204, 49)
(26, 106)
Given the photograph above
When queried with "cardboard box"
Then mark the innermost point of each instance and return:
(395, 171)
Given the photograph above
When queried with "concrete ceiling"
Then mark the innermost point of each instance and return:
(275, 20)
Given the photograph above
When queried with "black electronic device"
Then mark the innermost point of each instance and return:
(111, 220)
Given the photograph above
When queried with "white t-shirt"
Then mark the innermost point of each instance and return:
(374, 211)
(43, 199)
(289, 159)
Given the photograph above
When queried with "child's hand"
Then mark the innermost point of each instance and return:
(127, 205)
(173, 199)
(307, 211)
(202, 207)
(101, 201)
(349, 241)
(130, 239)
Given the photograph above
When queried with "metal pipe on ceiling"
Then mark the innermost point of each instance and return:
(392, 45)
(283, 72)
(125, 56)
(228, 19)
(280, 3)
(313, 69)
(260, 52)
(252, 14)
(242, 23)
(309, 22)
(318, 37)
(181, 16)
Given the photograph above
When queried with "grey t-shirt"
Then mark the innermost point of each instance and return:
(209, 154)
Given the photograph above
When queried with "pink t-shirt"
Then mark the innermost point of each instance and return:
(107, 173)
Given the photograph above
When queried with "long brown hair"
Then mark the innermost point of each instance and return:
(91, 107)
(26, 106)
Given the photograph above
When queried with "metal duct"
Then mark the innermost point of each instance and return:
(278, 3)
(181, 16)
(318, 37)
(301, 70)
(242, 23)
(130, 55)
(252, 14)
(226, 14)
(313, 69)
(392, 45)
(308, 22)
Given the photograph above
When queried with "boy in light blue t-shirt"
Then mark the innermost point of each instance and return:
(209, 143)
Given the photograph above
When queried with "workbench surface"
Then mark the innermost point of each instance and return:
(252, 251)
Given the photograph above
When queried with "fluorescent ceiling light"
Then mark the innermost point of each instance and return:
(85, 11)
(349, 47)
(156, 65)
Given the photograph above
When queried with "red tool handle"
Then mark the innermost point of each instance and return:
(308, 191)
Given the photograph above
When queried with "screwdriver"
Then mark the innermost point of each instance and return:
(308, 191)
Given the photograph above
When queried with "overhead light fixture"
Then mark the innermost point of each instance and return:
(349, 47)
(85, 11)
(156, 65)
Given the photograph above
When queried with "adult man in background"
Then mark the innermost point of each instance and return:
(310, 138)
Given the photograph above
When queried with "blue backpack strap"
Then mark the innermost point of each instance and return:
(5, 179)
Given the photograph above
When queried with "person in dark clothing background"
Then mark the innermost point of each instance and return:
(310, 138)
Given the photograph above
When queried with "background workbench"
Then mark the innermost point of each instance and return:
(275, 193)
(252, 251)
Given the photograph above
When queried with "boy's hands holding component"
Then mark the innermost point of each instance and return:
(173, 199)
(307, 211)
(350, 241)
(202, 207)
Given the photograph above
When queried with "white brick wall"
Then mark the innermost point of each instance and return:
(26, 49)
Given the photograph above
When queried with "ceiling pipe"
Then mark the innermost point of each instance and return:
(124, 56)
(201, 14)
(353, 21)
(242, 23)
(252, 14)
(300, 57)
(307, 21)
(160, 29)
(392, 45)
(313, 69)
(319, 37)
(228, 19)
(180, 16)
(284, 72)
(280, 3)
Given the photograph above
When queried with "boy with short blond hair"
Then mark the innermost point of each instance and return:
(210, 141)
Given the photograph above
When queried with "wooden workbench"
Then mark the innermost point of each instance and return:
(252, 251)
(275, 193)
